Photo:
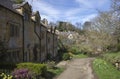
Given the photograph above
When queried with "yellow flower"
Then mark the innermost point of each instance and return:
(2, 74)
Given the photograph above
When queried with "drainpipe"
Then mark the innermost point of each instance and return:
(23, 36)
(54, 41)
(40, 43)
(46, 45)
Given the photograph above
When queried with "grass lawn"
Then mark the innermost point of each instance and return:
(80, 56)
(105, 70)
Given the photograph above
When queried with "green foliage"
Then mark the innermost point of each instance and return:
(105, 70)
(52, 70)
(50, 64)
(112, 57)
(86, 49)
(5, 76)
(22, 74)
(80, 56)
(66, 56)
(38, 69)
(56, 71)
(74, 50)
(67, 26)
(118, 47)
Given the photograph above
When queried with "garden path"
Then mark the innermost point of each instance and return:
(78, 69)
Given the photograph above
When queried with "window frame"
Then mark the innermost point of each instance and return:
(14, 29)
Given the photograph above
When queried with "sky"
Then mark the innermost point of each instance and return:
(69, 10)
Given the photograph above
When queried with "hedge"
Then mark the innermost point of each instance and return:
(36, 68)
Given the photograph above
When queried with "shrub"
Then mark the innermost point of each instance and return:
(72, 49)
(50, 64)
(66, 56)
(118, 47)
(37, 69)
(56, 71)
(22, 74)
(112, 57)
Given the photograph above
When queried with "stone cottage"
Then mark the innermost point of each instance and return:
(25, 34)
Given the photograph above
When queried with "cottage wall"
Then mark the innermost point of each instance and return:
(49, 44)
(55, 45)
(26, 37)
(43, 43)
(11, 31)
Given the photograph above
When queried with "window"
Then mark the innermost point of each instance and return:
(26, 17)
(14, 30)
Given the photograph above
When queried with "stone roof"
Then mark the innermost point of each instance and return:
(34, 13)
(19, 5)
(8, 4)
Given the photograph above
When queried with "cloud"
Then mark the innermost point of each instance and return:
(92, 3)
(88, 17)
(46, 10)
(73, 11)
(53, 12)
(80, 19)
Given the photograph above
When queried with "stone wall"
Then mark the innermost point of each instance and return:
(11, 32)
(26, 36)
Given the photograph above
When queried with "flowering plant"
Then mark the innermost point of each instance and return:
(5, 76)
(22, 74)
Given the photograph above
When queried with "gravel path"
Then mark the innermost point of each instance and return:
(78, 69)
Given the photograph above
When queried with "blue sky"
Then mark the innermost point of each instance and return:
(69, 10)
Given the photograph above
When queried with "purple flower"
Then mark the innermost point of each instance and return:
(21, 73)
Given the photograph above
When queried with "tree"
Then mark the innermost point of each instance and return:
(99, 32)
(67, 26)
(116, 6)
(87, 25)
(104, 22)
(116, 11)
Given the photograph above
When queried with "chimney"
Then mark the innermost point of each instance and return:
(45, 22)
